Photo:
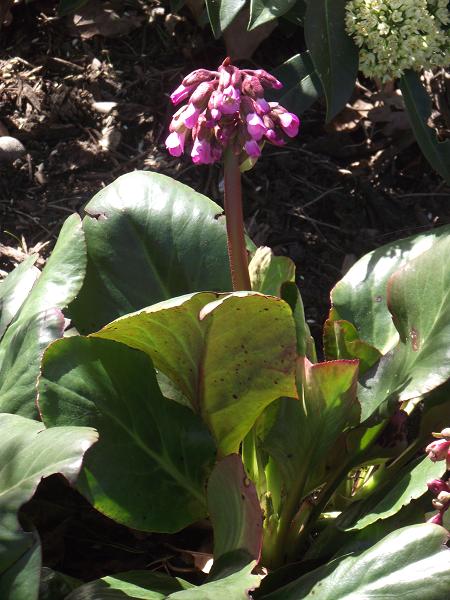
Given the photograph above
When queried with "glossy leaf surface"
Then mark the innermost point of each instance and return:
(142, 585)
(236, 586)
(234, 509)
(419, 300)
(333, 52)
(301, 84)
(230, 358)
(30, 452)
(149, 468)
(412, 562)
(418, 106)
(410, 485)
(149, 238)
(40, 321)
(268, 272)
(221, 14)
(263, 11)
(360, 297)
(14, 289)
(306, 430)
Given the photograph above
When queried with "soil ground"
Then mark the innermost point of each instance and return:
(335, 193)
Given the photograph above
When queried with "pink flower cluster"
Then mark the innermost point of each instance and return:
(440, 450)
(227, 108)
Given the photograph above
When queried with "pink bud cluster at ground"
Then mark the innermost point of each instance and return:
(227, 108)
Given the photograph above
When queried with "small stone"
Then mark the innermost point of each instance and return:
(104, 107)
(10, 148)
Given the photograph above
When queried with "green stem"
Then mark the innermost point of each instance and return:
(237, 251)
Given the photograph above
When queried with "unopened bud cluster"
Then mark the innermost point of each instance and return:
(396, 35)
(227, 108)
(437, 451)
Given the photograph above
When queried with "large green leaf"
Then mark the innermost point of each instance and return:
(149, 238)
(234, 509)
(144, 585)
(30, 452)
(234, 586)
(20, 564)
(19, 368)
(419, 300)
(221, 13)
(141, 585)
(360, 297)
(268, 272)
(418, 106)
(39, 320)
(263, 11)
(15, 288)
(149, 468)
(301, 84)
(63, 274)
(306, 430)
(410, 485)
(333, 52)
(230, 358)
(412, 563)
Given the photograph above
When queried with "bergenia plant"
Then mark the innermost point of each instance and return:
(186, 390)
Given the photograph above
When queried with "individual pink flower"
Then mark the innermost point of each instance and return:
(438, 450)
(181, 93)
(175, 143)
(190, 116)
(229, 101)
(255, 126)
(289, 123)
(201, 152)
(252, 148)
(263, 105)
(274, 138)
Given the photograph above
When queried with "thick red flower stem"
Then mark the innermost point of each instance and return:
(237, 251)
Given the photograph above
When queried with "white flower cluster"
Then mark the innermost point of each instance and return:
(396, 35)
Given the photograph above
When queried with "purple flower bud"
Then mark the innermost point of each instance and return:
(263, 105)
(201, 152)
(181, 93)
(289, 123)
(230, 100)
(191, 116)
(255, 126)
(236, 78)
(436, 486)
(175, 143)
(274, 138)
(252, 87)
(215, 114)
(268, 80)
(224, 79)
(198, 76)
(202, 94)
(438, 450)
(252, 148)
